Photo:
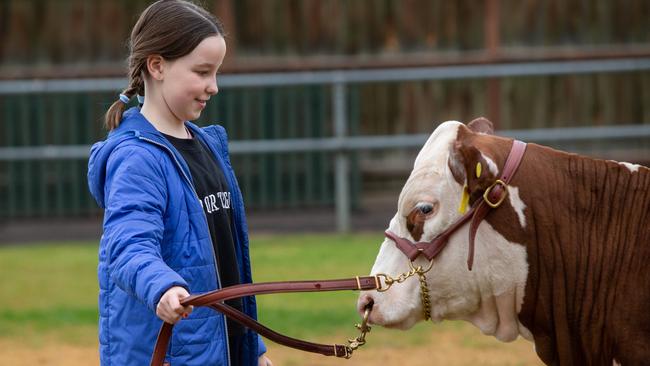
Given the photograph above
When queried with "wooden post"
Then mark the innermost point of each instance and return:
(342, 165)
(492, 46)
(225, 12)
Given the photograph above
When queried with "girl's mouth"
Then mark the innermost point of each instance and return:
(202, 103)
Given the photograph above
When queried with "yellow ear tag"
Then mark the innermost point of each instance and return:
(464, 200)
(478, 170)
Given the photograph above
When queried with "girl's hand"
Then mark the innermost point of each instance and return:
(169, 307)
(264, 361)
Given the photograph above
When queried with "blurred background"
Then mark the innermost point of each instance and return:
(326, 104)
(308, 82)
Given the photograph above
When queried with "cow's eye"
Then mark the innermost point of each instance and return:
(425, 208)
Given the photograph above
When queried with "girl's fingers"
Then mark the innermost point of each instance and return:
(167, 314)
(175, 305)
(188, 309)
(173, 318)
(170, 309)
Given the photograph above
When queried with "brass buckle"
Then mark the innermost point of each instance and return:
(388, 281)
(489, 189)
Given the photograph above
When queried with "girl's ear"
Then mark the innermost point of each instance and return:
(156, 66)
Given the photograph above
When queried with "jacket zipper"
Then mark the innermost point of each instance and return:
(214, 255)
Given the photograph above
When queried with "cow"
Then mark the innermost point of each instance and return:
(564, 261)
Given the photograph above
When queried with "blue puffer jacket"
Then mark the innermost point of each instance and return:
(156, 236)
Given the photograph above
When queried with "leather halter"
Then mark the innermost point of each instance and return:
(492, 198)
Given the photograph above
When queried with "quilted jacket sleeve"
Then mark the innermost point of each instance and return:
(135, 198)
(261, 347)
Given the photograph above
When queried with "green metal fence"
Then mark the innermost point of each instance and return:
(52, 187)
(35, 188)
(32, 188)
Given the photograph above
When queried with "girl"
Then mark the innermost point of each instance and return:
(173, 213)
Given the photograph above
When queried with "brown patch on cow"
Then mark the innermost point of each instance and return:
(464, 155)
(415, 224)
(416, 219)
(587, 295)
(586, 240)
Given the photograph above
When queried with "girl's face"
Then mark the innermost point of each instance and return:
(191, 80)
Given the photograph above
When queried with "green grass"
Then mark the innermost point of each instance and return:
(311, 257)
(50, 291)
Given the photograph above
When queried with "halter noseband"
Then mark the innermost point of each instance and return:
(492, 198)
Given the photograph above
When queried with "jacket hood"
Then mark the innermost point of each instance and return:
(132, 126)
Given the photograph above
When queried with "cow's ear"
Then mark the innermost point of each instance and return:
(481, 125)
(469, 166)
(456, 162)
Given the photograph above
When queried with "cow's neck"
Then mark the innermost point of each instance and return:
(587, 236)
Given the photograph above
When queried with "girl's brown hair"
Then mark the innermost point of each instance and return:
(169, 28)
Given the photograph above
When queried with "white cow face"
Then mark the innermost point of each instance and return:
(428, 204)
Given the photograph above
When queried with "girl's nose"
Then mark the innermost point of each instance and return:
(212, 88)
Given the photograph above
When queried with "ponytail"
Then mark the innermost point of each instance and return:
(114, 114)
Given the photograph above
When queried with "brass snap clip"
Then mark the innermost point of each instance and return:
(359, 341)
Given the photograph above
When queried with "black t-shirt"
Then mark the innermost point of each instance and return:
(214, 194)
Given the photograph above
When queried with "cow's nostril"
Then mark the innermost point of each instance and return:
(365, 302)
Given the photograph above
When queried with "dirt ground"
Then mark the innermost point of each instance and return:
(445, 349)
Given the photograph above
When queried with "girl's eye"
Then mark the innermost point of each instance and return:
(203, 73)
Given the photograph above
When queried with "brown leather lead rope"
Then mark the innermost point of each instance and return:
(243, 319)
(214, 299)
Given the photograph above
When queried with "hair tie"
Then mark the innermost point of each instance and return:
(125, 99)
(140, 99)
